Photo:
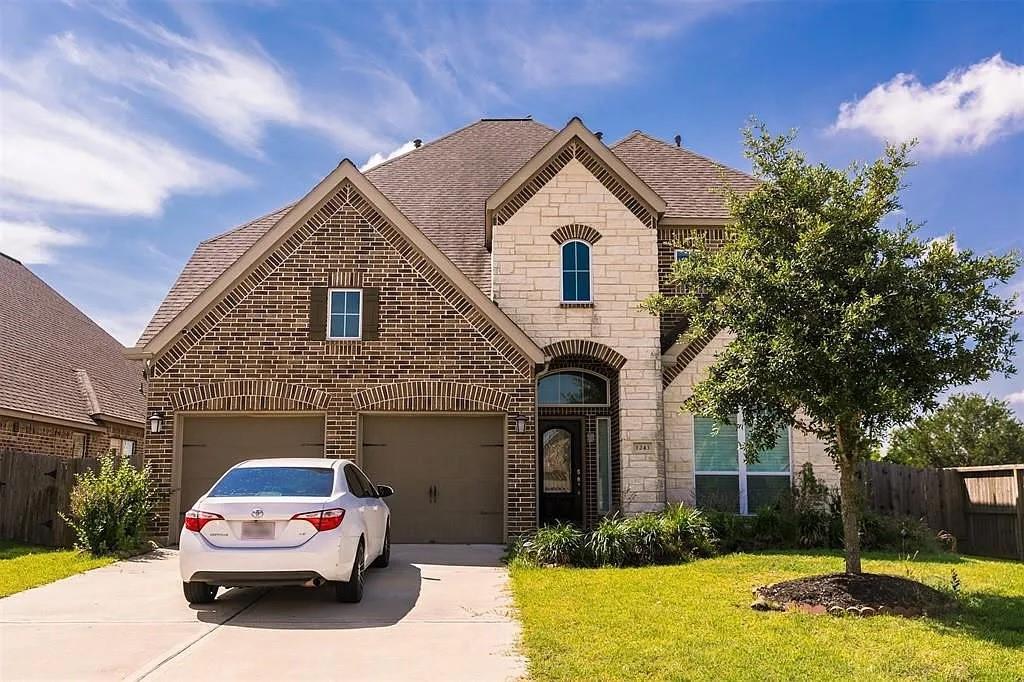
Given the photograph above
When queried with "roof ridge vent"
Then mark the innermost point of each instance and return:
(528, 117)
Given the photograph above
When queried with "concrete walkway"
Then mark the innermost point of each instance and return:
(439, 612)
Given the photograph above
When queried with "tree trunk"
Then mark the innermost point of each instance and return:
(850, 493)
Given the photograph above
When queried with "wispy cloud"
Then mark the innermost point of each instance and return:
(34, 242)
(378, 158)
(1015, 398)
(965, 111)
(60, 159)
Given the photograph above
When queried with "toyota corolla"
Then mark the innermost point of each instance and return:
(272, 522)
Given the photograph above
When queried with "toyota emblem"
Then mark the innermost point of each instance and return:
(256, 513)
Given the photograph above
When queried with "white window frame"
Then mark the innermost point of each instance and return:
(566, 370)
(604, 505)
(590, 269)
(359, 327)
(676, 252)
(741, 471)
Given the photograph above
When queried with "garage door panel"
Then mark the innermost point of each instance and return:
(211, 445)
(460, 457)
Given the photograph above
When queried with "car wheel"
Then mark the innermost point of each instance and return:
(351, 591)
(385, 554)
(199, 593)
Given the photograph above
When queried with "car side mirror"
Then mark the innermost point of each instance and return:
(385, 491)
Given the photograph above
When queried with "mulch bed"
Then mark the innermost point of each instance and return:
(867, 594)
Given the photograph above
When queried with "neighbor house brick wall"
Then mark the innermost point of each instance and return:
(527, 286)
(679, 431)
(45, 438)
(433, 351)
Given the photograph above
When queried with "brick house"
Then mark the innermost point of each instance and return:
(461, 321)
(66, 388)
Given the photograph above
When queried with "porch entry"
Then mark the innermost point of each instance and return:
(560, 461)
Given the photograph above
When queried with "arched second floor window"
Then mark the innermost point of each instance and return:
(576, 279)
(572, 387)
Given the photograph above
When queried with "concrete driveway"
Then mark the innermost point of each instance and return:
(439, 612)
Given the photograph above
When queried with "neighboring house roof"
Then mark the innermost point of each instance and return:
(57, 363)
(691, 184)
(294, 217)
(443, 186)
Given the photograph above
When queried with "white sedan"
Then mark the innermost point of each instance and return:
(270, 522)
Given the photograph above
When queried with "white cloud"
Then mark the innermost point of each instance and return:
(1015, 398)
(54, 156)
(34, 242)
(378, 158)
(125, 326)
(963, 112)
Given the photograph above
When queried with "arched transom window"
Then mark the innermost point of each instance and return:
(572, 387)
(576, 272)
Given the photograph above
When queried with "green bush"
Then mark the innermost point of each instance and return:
(109, 507)
(676, 534)
(561, 544)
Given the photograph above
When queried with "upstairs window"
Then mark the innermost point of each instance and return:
(344, 313)
(681, 254)
(576, 272)
(575, 388)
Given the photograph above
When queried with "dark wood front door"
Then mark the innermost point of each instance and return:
(560, 457)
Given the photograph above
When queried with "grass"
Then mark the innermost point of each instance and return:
(25, 566)
(694, 622)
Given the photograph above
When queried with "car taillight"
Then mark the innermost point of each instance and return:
(328, 519)
(195, 520)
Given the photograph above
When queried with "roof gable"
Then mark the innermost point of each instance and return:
(573, 141)
(266, 248)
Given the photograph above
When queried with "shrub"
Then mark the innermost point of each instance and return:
(676, 534)
(559, 545)
(687, 532)
(109, 507)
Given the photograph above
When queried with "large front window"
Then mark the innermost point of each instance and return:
(572, 387)
(576, 272)
(725, 481)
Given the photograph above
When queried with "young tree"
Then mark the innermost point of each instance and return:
(843, 328)
(969, 430)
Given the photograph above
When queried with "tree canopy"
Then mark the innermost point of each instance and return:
(843, 327)
(969, 430)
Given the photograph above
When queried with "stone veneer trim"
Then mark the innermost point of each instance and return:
(576, 231)
(588, 348)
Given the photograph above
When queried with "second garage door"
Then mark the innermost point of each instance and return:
(447, 472)
(212, 445)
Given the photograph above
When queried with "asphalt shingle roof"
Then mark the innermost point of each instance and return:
(56, 361)
(442, 188)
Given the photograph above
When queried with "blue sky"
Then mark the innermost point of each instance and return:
(130, 132)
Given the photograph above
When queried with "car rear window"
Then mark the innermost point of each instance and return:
(275, 482)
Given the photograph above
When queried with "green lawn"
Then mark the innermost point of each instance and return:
(25, 566)
(694, 622)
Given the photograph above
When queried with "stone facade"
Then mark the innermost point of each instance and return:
(47, 438)
(679, 432)
(434, 351)
(527, 286)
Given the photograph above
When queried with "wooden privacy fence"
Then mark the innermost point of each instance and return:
(982, 506)
(33, 490)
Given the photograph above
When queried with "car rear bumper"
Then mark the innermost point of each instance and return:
(327, 555)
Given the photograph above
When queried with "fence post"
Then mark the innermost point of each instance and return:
(1018, 477)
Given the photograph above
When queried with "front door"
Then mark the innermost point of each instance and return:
(560, 455)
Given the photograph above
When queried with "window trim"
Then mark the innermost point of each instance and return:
(676, 252)
(604, 497)
(590, 270)
(741, 470)
(562, 370)
(359, 316)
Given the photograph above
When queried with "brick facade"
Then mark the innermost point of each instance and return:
(435, 352)
(46, 438)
